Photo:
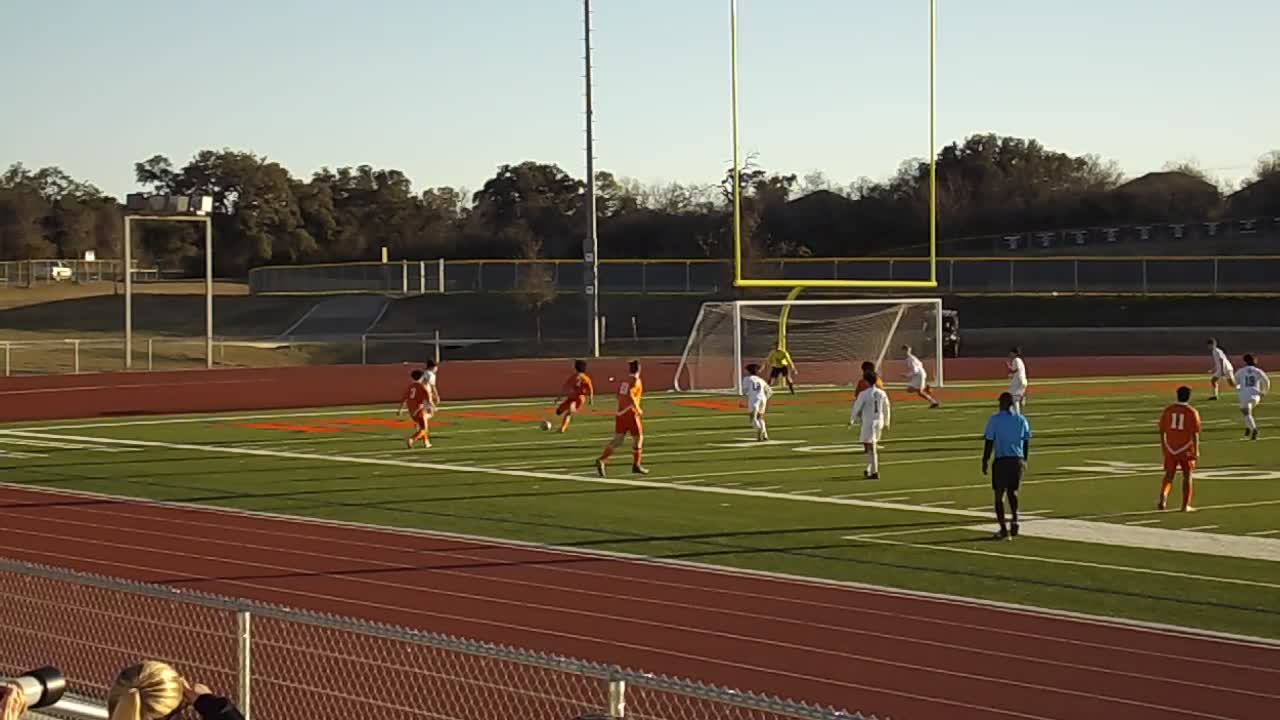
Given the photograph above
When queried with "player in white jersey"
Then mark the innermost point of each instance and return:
(871, 410)
(429, 379)
(1222, 369)
(917, 378)
(756, 391)
(1017, 379)
(1251, 384)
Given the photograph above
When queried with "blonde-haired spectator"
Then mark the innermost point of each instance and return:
(13, 702)
(155, 691)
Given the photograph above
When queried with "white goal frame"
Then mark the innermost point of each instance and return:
(738, 363)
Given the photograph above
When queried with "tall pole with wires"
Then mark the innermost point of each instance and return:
(590, 244)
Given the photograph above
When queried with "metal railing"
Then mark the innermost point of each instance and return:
(294, 665)
(1135, 275)
(28, 273)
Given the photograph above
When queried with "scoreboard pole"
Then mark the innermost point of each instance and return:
(590, 244)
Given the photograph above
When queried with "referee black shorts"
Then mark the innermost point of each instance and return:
(783, 370)
(1006, 474)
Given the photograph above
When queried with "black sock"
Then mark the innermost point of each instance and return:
(1013, 505)
(1000, 512)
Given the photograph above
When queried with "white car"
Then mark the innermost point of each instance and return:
(60, 272)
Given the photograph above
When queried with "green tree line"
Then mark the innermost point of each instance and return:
(987, 184)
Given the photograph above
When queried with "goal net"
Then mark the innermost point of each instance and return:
(828, 340)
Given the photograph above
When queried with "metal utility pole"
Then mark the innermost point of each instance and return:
(591, 244)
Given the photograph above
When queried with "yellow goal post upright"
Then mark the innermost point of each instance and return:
(739, 279)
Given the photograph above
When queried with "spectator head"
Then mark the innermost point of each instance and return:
(147, 691)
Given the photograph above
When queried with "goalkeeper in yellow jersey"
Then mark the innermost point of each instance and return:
(781, 365)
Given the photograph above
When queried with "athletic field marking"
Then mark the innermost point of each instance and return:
(1143, 522)
(894, 499)
(704, 567)
(1096, 529)
(988, 506)
(938, 503)
(1061, 561)
(1263, 533)
(1152, 538)
(1199, 508)
(1200, 527)
(379, 408)
(805, 492)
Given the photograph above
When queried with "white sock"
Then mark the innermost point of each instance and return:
(1250, 423)
(875, 460)
(764, 429)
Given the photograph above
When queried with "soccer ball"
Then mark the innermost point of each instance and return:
(546, 425)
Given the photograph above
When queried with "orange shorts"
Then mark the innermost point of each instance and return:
(419, 418)
(573, 403)
(1183, 462)
(628, 424)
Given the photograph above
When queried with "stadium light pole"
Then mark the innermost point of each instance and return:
(168, 208)
(591, 244)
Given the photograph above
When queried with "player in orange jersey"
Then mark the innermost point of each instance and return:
(867, 367)
(577, 390)
(420, 398)
(627, 421)
(1180, 443)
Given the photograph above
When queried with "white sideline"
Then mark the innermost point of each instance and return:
(1154, 628)
(1136, 536)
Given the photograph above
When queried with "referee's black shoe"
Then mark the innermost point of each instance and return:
(1013, 530)
(1002, 534)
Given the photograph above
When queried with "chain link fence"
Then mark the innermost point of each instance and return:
(292, 665)
(1188, 275)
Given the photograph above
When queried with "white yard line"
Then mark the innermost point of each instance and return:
(1198, 528)
(1005, 556)
(1263, 533)
(1143, 522)
(1152, 538)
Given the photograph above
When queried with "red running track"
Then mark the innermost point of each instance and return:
(905, 656)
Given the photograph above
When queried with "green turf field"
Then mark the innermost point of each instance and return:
(797, 504)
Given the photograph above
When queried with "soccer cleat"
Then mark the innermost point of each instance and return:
(935, 406)
(408, 443)
(600, 468)
(1247, 432)
(639, 470)
(1253, 435)
(426, 444)
(873, 476)
(1188, 508)
(1001, 534)
(1160, 505)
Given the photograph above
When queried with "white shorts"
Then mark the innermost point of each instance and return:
(917, 382)
(758, 407)
(1017, 391)
(1224, 374)
(870, 433)
(1249, 402)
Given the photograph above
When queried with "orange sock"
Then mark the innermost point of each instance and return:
(607, 452)
(1165, 486)
(564, 422)
(1186, 491)
(635, 456)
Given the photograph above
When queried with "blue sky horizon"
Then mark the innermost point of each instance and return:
(447, 91)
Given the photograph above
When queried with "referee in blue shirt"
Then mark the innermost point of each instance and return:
(1008, 435)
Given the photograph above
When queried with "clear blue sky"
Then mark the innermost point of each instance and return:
(446, 90)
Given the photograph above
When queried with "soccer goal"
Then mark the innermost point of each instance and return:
(828, 340)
